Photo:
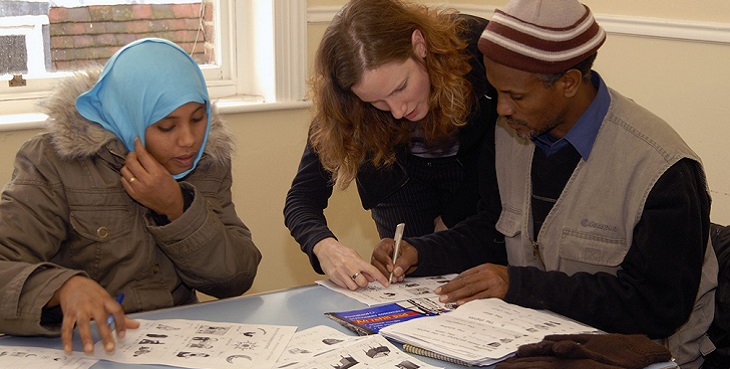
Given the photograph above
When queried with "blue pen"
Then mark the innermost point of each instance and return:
(110, 319)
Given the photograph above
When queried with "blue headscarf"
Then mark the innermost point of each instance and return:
(142, 83)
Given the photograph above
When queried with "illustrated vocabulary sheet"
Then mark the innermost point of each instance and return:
(372, 351)
(201, 344)
(18, 357)
(312, 341)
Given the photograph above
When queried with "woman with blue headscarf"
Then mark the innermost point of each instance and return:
(127, 194)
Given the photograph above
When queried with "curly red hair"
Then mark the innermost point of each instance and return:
(364, 35)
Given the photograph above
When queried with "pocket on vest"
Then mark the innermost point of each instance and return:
(510, 222)
(586, 248)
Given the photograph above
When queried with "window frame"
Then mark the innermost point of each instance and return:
(250, 34)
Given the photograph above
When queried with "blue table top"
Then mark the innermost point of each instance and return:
(303, 307)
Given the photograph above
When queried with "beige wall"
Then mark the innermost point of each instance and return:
(700, 10)
(682, 81)
(686, 84)
(269, 148)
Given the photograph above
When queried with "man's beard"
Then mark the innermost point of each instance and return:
(531, 133)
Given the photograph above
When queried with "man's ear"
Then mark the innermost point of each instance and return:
(571, 82)
(419, 43)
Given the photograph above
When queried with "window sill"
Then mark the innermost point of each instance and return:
(16, 122)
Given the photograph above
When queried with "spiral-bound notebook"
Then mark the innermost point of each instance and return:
(423, 352)
(434, 355)
(480, 332)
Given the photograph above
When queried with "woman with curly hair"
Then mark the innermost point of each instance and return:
(402, 106)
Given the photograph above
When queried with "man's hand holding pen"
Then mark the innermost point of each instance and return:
(406, 262)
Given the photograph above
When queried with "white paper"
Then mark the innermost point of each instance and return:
(482, 332)
(22, 357)
(372, 351)
(310, 342)
(409, 288)
(201, 344)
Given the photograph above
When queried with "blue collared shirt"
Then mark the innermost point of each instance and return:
(583, 134)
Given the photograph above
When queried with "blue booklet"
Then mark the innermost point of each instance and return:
(371, 319)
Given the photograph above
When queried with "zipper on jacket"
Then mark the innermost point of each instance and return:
(536, 255)
(117, 154)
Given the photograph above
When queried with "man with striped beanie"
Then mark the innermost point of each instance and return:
(604, 208)
(542, 36)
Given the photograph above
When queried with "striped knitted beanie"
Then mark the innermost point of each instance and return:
(541, 36)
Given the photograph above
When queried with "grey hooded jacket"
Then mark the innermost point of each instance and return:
(65, 213)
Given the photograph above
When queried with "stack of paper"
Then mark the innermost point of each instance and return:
(217, 345)
(481, 332)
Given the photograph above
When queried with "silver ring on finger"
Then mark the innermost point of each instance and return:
(354, 276)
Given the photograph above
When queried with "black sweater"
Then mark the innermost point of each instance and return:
(654, 291)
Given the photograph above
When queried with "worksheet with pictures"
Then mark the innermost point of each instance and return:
(482, 331)
(17, 357)
(312, 341)
(201, 344)
(409, 288)
(372, 351)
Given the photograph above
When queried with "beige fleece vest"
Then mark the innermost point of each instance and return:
(590, 227)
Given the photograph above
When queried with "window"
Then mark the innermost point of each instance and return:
(254, 50)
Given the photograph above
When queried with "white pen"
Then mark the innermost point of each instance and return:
(398, 236)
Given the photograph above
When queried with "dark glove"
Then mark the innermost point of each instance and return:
(634, 351)
(551, 362)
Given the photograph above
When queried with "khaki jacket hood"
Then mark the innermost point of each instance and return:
(74, 136)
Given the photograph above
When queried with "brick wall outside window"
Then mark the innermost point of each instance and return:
(90, 35)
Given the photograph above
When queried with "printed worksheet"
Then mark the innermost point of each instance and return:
(310, 342)
(201, 344)
(376, 294)
(372, 351)
(482, 332)
(21, 357)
